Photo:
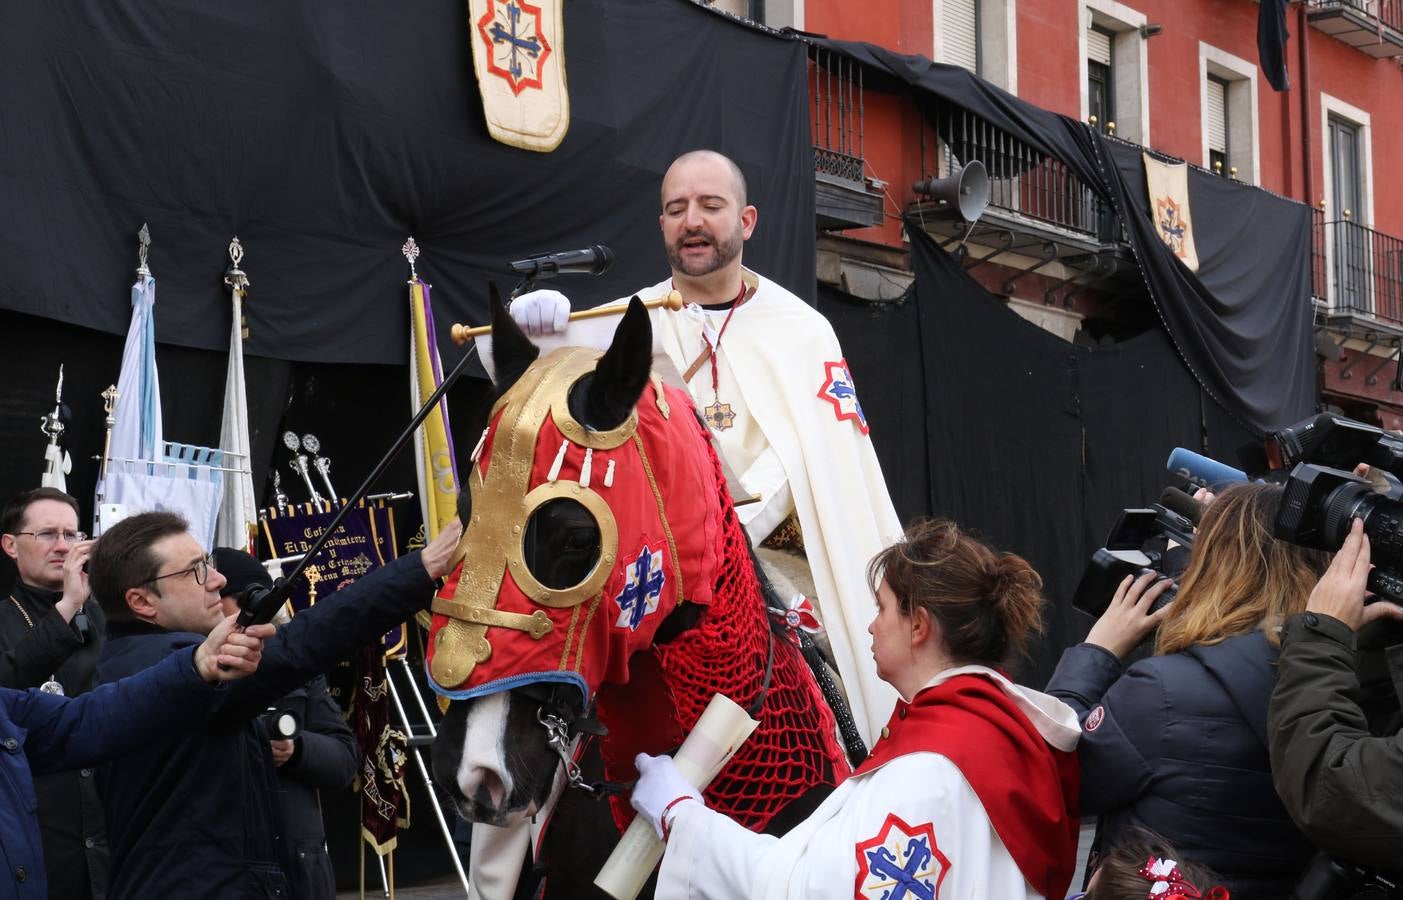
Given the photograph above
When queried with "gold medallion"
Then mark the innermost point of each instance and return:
(719, 415)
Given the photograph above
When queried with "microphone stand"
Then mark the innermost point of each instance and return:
(260, 604)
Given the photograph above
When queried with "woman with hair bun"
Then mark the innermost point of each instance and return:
(971, 789)
(1178, 741)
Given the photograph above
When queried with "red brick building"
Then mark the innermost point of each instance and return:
(1179, 76)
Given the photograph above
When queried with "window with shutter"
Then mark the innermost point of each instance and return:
(1098, 46)
(960, 37)
(1099, 90)
(1215, 122)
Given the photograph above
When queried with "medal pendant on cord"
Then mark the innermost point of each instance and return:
(719, 415)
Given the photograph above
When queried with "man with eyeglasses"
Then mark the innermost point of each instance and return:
(195, 815)
(51, 638)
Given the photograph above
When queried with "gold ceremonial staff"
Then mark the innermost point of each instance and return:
(673, 301)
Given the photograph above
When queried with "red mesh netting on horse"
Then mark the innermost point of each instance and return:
(795, 747)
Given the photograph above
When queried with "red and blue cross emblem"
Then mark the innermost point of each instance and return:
(516, 43)
(643, 588)
(900, 863)
(839, 390)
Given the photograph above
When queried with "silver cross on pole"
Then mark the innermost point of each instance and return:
(143, 238)
(411, 253)
(234, 276)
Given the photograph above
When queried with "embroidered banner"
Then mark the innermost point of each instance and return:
(365, 541)
(519, 60)
(1168, 185)
(384, 750)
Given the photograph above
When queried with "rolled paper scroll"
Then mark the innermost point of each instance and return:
(720, 731)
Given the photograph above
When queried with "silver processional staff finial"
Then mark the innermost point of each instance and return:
(235, 277)
(143, 245)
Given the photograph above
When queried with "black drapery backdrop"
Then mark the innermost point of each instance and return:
(983, 417)
(1242, 323)
(324, 135)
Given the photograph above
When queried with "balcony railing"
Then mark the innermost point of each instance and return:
(1388, 13)
(1022, 180)
(1374, 27)
(1364, 270)
(843, 198)
(1318, 276)
(836, 116)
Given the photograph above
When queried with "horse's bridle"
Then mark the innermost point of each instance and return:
(563, 725)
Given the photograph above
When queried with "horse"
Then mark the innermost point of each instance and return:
(606, 591)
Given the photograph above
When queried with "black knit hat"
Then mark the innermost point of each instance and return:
(240, 569)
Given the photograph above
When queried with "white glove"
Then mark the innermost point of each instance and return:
(659, 784)
(541, 312)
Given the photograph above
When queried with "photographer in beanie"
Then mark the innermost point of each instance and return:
(322, 755)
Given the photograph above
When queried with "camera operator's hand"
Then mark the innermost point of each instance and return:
(228, 653)
(75, 580)
(441, 554)
(282, 751)
(1340, 591)
(1127, 620)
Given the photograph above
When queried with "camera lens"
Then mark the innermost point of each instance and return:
(1383, 521)
(1343, 505)
(286, 725)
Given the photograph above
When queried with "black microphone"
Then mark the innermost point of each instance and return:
(594, 260)
(1182, 503)
(258, 604)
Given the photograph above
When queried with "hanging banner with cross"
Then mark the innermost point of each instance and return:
(519, 60)
(1168, 184)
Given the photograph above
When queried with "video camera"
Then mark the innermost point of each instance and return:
(281, 723)
(1138, 544)
(1321, 498)
(1331, 879)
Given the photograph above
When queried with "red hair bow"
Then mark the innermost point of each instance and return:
(1167, 883)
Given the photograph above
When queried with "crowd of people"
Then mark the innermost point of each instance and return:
(1258, 736)
(1215, 767)
(181, 791)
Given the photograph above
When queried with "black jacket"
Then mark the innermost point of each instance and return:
(324, 757)
(71, 821)
(1338, 763)
(195, 817)
(1178, 744)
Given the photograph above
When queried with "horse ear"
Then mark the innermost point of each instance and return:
(622, 372)
(512, 351)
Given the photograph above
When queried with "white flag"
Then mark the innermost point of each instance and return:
(142, 475)
(238, 513)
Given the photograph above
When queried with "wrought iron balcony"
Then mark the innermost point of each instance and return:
(844, 198)
(1374, 27)
(1319, 279)
(1023, 182)
(1359, 271)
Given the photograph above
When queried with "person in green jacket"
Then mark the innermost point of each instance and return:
(1337, 764)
